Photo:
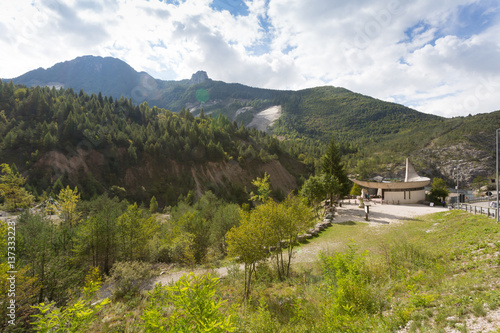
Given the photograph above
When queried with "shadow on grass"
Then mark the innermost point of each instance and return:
(347, 223)
(380, 222)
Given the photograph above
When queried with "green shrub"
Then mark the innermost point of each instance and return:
(190, 305)
(77, 316)
(260, 321)
(182, 249)
(351, 298)
(164, 254)
(126, 277)
(347, 281)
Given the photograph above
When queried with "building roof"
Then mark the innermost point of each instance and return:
(412, 180)
(392, 186)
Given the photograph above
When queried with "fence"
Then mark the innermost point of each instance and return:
(490, 212)
(481, 199)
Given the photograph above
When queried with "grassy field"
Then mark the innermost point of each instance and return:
(436, 273)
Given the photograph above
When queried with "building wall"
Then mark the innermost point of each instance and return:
(404, 197)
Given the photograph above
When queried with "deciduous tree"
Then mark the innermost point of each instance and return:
(68, 200)
(439, 190)
(313, 191)
(246, 243)
(263, 189)
(153, 205)
(268, 230)
(292, 217)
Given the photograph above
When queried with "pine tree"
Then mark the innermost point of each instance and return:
(153, 205)
(58, 186)
(332, 166)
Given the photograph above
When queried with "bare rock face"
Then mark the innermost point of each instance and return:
(461, 161)
(199, 77)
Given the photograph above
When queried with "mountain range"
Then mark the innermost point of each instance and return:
(375, 136)
(113, 77)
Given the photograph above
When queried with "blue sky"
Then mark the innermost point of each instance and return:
(440, 57)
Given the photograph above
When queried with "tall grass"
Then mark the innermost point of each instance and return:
(426, 274)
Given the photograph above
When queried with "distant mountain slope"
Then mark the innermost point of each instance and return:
(109, 76)
(309, 111)
(324, 111)
(113, 77)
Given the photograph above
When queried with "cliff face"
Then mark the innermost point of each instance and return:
(461, 160)
(165, 178)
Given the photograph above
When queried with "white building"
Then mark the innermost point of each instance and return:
(412, 190)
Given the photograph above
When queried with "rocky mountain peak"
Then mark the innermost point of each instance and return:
(199, 77)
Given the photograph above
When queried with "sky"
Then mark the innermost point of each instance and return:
(439, 57)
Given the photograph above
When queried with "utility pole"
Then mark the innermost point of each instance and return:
(497, 175)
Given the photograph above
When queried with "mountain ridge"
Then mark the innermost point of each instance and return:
(76, 74)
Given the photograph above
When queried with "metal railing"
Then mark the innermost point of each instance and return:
(489, 211)
(481, 199)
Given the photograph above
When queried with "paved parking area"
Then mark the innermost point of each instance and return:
(383, 214)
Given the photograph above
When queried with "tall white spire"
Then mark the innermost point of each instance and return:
(411, 175)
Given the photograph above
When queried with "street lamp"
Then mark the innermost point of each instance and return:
(497, 175)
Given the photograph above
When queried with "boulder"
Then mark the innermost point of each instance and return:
(327, 223)
(313, 232)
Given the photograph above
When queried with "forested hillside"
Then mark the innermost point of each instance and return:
(100, 144)
(317, 112)
(374, 136)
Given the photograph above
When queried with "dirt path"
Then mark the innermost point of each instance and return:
(168, 278)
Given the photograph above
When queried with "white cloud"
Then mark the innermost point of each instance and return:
(409, 52)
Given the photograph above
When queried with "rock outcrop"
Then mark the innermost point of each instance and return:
(199, 77)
